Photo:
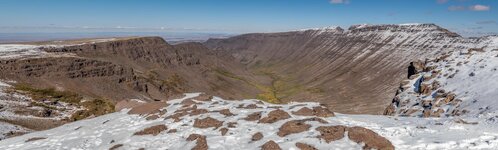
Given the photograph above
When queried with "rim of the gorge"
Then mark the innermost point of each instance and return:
(350, 71)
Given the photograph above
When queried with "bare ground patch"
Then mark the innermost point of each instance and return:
(153, 130)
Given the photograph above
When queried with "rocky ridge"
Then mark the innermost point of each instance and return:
(458, 83)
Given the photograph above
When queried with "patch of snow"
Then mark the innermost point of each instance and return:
(13, 102)
(14, 51)
(138, 100)
(6, 129)
(410, 24)
(318, 31)
(322, 28)
(8, 51)
(102, 40)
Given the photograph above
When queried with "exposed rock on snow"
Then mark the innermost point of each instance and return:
(153, 130)
(201, 143)
(371, 139)
(459, 83)
(253, 117)
(18, 110)
(35, 139)
(274, 116)
(303, 146)
(331, 133)
(207, 123)
(257, 136)
(270, 145)
(218, 131)
(316, 111)
(291, 127)
(195, 130)
(10, 51)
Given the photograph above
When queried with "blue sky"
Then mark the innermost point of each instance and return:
(241, 16)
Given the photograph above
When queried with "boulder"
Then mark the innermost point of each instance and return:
(415, 67)
(291, 127)
(331, 133)
(223, 131)
(426, 113)
(153, 130)
(274, 116)
(425, 89)
(437, 113)
(226, 112)
(207, 122)
(253, 117)
(201, 143)
(250, 106)
(449, 98)
(316, 111)
(390, 110)
(371, 139)
(257, 136)
(270, 145)
(303, 146)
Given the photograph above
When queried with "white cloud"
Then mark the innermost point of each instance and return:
(479, 8)
(339, 1)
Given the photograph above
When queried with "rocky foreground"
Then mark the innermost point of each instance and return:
(199, 121)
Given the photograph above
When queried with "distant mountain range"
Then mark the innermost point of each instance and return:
(172, 37)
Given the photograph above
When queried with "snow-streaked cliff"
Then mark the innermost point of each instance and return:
(357, 70)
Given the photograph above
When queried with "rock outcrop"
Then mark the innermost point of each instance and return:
(447, 85)
(143, 68)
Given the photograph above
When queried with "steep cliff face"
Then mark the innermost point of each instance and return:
(152, 50)
(89, 77)
(352, 71)
(148, 68)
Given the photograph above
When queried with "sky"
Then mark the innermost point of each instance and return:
(466, 17)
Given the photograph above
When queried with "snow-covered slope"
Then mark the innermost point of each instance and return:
(16, 51)
(18, 109)
(9, 51)
(201, 123)
(459, 83)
